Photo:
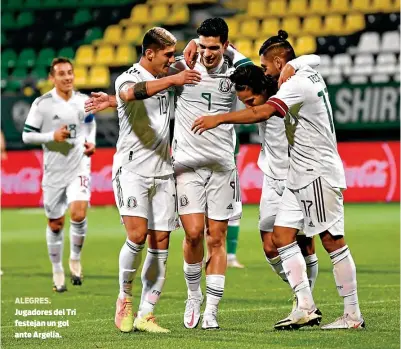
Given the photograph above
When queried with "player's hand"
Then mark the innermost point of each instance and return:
(191, 54)
(90, 149)
(203, 123)
(61, 134)
(98, 101)
(186, 77)
(287, 72)
(232, 45)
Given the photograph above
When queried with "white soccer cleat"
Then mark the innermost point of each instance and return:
(209, 322)
(76, 272)
(345, 323)
(299, 318)
(192, 312)
(233, 263)
(59, 282)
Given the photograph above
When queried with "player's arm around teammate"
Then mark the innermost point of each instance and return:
(57, 121)
(142, 174)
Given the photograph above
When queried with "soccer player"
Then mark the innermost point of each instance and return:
(207, 181)
(57, 120)
(254, 88)
(314, 184)
(143, 180)
(233, 229)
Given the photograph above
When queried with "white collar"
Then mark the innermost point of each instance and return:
(56, 96)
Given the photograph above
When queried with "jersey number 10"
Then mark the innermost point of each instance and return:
(163, 105)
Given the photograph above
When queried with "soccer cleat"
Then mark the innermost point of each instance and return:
(299, 318)
(59, 282)
(345, 323)
(192, 312)
(148, 324)
(209, 322)
(124, 318)
(233, 263)
(76, 272)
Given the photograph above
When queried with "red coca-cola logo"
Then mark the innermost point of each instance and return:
(371, 170)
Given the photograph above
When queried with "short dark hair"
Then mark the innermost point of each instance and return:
(59, 60)
(214, 27)
(157, 38)
(278, 42)
(252, 76)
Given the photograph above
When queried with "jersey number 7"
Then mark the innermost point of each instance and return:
(208, 97)
(325, 95)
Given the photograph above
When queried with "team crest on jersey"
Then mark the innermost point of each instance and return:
(132, 203)
(225, 85)
(184, 201)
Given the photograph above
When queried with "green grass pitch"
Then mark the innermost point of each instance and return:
(254, 298)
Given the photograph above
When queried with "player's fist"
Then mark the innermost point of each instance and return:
(287, 72)
(98, 101)
(203, 123)
(191, 54)
(90, 148)
(61, 134)
(186, 77)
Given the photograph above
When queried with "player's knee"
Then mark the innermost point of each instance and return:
(270, 249)
(78, 215)
(330, 242)
(216, 239)
(306, 245)
(56, 225)
(194, 235)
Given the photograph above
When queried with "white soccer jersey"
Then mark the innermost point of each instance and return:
(215, 94)
(273, 157)
(143, 145)
(63, 161)
(304, 102)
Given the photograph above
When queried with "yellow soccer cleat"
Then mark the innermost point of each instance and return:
(124, 318)
(59, 282)
(148, 324)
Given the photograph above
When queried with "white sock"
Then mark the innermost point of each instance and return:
(193, 274)
(129, 262)
(312, 269)
(77, 237)
(295, 269)
(214, 292)
(55, 248)
(231, 256)
(277, 266)
(153, 277)
(344, 271)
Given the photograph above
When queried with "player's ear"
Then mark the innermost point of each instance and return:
(225, 45)
(51, 78)
(149, 54)
(278, 63)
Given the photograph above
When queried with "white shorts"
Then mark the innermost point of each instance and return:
(57, 200)
(272, 192)
(216, 194)
(321, 205)
(153, 198)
